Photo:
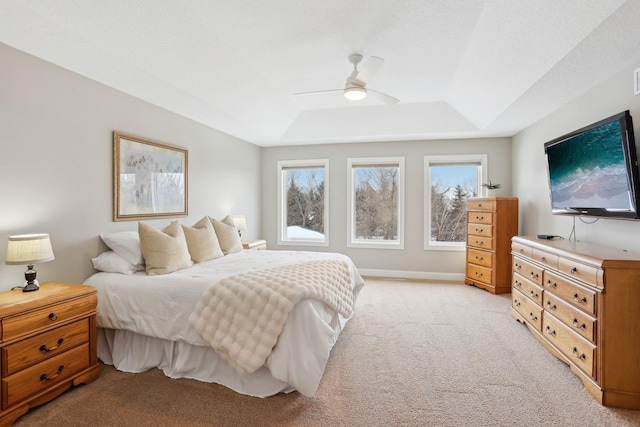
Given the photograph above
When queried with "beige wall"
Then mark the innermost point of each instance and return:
(413, 260)
(56, 163)
(529, 169)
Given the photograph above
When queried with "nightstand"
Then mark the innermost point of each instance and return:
(254, 245)
(47, 344)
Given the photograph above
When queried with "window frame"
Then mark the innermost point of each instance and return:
(368, 162)
(449, 159)
(282, 167)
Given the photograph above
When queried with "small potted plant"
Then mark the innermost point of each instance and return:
(491, 188)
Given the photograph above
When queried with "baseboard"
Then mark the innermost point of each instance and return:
(414, 275)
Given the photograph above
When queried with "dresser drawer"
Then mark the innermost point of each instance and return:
(531, 312)
(527, 270)
(577, 320)
(529, 289)
(590, 275)
(576, 295)
(29, 382)
(46, 317)
(546, 258)
(478, 273)
(522, 249)
(480, 242)
(578, 350)
(481, 205)
(482, 258)
(44, 346)
(480, 230)
(480, 217)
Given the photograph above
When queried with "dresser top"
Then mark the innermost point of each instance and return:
(584, 252)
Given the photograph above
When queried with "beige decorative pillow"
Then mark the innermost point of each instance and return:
(227, 236)
(164, 251)
(202, 241)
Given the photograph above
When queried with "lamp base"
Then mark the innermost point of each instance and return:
(31, 286)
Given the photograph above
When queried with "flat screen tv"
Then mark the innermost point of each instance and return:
(593, 171)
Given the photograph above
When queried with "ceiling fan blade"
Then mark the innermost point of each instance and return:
(317, 92)
(369, 69)
(387, 99)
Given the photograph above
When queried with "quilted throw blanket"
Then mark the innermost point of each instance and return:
(242, 316)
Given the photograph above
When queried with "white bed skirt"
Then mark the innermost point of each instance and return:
(131, 352)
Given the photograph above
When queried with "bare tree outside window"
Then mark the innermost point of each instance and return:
(451, 186)
(305, 203)
(376, 203)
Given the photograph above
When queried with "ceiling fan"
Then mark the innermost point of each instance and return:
(356, 86)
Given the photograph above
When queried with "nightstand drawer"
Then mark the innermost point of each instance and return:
(45, 375)
(47, 317)
(44, 346)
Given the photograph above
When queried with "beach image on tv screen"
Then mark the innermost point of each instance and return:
(588, 170)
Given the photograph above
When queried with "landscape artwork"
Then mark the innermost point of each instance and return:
(150, 179)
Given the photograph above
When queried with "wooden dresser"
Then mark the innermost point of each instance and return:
(491, 222)
(582, 302)
(48, 343)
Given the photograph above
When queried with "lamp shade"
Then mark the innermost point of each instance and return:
(240, 222)
(29, 249)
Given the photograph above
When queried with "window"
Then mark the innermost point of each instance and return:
(303, 195)
(376, 202)
(449, 182)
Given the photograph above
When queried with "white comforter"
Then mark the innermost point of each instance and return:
(159, 306)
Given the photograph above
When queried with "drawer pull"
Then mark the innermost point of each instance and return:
(478, 243)
(533, 317)
(551, 284)
(581, 356)
(480, 218)
(478, 230)
(534, 275)
(516, 303)
(518, 266)
(478, 274)
(534, 294)
(517, 283)
(479, 258)
(543, 259)
(53, 317)
(552, 307)
(44, 348)
(577, 325)
(574, 270)
(45, 377)
(550, 331)
(578, 299)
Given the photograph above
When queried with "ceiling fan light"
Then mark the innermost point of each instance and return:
(355, 93)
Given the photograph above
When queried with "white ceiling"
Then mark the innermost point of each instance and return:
(461, 69)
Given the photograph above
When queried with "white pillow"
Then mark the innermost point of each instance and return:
(111, 262)
(164, 251)
(227, 236)
(126, 244)
(202, 241)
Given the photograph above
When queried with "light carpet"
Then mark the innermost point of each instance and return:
(415, 354)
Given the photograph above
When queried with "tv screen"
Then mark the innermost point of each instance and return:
(594, 170)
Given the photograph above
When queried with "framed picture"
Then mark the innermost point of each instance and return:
(149, 179)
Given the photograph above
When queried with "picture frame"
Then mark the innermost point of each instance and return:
(150, 179)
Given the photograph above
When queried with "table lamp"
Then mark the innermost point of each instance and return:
(240, 223)
(28, 249)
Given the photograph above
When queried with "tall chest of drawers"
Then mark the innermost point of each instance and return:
(582, 302)
(47, 344)
(491, 222)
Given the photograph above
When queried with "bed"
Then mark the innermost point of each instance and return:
(146, 321)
